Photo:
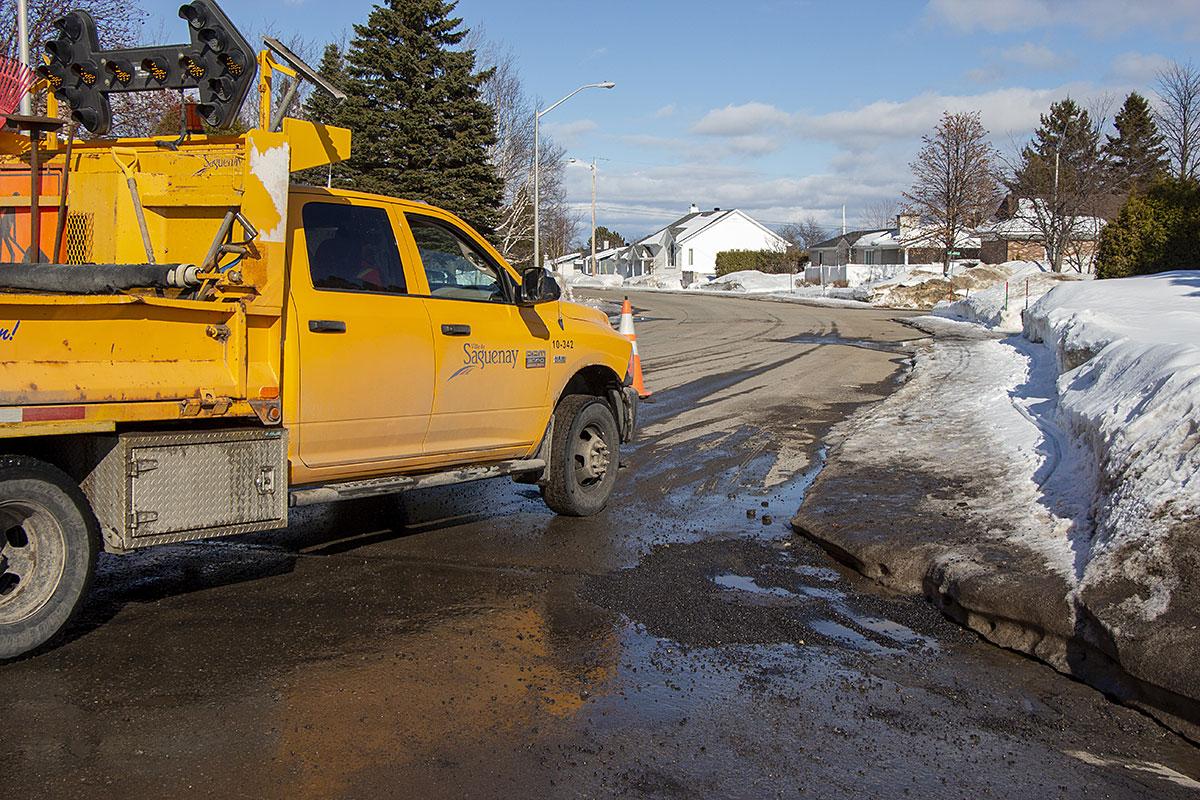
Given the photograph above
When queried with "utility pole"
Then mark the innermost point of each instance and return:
(593, 166)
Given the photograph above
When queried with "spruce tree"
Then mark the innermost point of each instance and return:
(1062, 172)
(323, 108)
(1136, 157)
(421, 131)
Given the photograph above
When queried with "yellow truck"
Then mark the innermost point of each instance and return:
(192, 344)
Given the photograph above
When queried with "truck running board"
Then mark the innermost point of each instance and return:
(351, 490)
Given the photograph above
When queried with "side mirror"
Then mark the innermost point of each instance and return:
(537, 286)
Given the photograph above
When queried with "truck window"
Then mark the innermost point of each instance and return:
(352, 249)
(454, 266)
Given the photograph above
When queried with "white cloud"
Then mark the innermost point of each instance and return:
(1035, 56)
(1005, 112)
(568, 133)
(666, 111)
(1138, 68)
(756, 128)
(740, 120)
(1100, 17)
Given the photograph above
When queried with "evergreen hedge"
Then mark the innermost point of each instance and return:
(1156, 231)
(773, 262)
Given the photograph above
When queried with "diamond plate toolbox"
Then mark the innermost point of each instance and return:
(158, 488)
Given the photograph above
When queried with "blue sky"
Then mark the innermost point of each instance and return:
(784, 108)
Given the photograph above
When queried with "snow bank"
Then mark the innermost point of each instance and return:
(581, 281)
(1128, 353)
(749, 281)
(998, 303)
(653, 281)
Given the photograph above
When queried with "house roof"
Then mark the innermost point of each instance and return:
(1022, 224)
(850, 236)
(891, 239)
(693, 223)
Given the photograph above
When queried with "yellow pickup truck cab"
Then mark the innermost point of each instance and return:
(215, 345)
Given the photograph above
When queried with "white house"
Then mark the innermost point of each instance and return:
(688, 247)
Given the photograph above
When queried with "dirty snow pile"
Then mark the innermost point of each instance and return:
(1128, 357)
(654, 281)
(997, 299)
(750, 281)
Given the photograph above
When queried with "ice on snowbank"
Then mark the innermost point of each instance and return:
(1128, 353)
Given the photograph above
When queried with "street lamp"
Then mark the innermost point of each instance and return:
(23, 51)
(537, 164)
(592, 167)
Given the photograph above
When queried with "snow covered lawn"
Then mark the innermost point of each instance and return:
(1045, 488)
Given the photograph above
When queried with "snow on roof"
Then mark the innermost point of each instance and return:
(850, 236)
(1023, 224)
(691, 224)
(891, 239)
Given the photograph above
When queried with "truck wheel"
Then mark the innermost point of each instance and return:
(48, 544)
(583, 457)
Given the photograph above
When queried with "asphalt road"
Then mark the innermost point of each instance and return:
(464, 642)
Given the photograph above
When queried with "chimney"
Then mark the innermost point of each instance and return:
(695, 209)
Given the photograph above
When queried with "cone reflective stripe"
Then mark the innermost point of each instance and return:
(626, 330)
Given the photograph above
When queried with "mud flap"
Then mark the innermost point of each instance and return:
(543, 453)
(625, 403)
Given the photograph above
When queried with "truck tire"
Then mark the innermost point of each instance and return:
(583, 457)
(48, 544)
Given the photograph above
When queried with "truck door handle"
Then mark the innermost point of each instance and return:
(456, 330)
(326, 326)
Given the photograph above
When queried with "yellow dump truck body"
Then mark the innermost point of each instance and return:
(75, 363)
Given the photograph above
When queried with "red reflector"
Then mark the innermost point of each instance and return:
(52, 413)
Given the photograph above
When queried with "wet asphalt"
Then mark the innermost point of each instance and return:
(464, 642)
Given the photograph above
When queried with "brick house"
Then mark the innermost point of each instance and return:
(1013, 235)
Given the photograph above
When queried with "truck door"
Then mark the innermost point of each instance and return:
(491, 355)
(365, 345)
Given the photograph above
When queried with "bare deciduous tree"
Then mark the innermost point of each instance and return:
(512, 156)
(954, 184)
(804, 233)
(117, 23)
(880, 214)
(1179, 117)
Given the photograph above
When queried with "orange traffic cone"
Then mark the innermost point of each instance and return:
(626, 330)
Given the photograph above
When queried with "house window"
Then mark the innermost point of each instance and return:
(691, 257)
(671, 256)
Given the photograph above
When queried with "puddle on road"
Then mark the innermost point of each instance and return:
(743, 584)
(850, 637)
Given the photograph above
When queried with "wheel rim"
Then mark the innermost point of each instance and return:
(592, 457)
(33, 556)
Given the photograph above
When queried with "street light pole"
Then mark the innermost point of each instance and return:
(23, 50)
(537, 165)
